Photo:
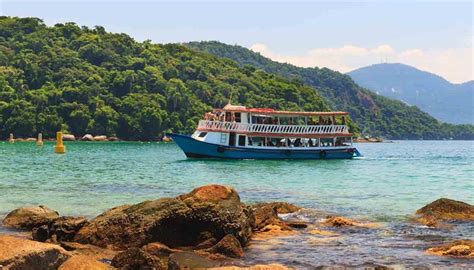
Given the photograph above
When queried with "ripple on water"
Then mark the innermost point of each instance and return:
(387, 185)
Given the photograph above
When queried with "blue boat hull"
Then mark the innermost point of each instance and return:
(198, 149)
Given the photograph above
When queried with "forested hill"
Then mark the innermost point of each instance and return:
(375, 115)
(84, 80)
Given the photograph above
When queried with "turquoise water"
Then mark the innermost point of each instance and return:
(388, 184)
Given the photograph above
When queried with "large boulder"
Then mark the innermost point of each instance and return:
(213, 210)
(19, 253)
(30, 217)
(445, 210)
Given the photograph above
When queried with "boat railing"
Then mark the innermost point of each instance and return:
(270, 128)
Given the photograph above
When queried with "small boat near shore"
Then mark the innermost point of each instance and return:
(237, 132)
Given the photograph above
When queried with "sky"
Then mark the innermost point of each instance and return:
(341, 35)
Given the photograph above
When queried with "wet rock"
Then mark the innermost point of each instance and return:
(30, 217)
(40, 233)
(135, 258)
(207, 243)
(90, 251)
(114, 139)
(84, 262)
(254, 267)
(189, 260)
(69, 137)
(266, 214)
(272, 231)
(173, 221)
(337, 221)
(60, 229)
(159, 249)
(30, 139)
(100, 138)
(458, 248)
(65, 228)
(281, 207)
(296, 224)
(19, 253)
(228, 246)
(445, 210)
(87, 137)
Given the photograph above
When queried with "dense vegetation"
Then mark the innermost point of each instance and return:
(375, 115)
(84, 80)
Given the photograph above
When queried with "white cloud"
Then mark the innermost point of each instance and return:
(455, 64)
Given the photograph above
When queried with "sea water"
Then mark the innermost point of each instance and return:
(387, 185)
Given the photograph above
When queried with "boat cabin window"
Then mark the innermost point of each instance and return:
(237, 117)
(202, 134)
(242, 140)
(327, 142)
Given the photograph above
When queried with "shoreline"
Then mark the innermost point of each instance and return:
(256, 227)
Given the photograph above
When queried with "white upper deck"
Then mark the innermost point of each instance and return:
(272, 123)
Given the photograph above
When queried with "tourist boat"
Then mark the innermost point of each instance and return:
(237, 132)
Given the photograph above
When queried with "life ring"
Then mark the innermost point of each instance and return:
(220, 149)
(322, 153)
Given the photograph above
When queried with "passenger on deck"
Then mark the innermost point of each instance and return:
(297, 142)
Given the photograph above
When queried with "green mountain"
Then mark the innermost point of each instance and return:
(84, 80)
(374, 114)
(448, 102)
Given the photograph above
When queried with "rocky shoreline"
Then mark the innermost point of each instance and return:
(208, 228)
(86, 138)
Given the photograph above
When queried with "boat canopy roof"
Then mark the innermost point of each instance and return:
(268, 111)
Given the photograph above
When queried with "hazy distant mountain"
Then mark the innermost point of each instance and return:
(448, 102)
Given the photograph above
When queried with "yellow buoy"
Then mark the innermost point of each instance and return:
(11, 140)
(39, 141)
(59, 148)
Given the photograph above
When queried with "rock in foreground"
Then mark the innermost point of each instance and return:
(445, 210)
(189, 260)
(19, 253)
(207, 212)
(458, 248)
(83, 262)
(30, 217)
(61, 229)
(280, 207)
